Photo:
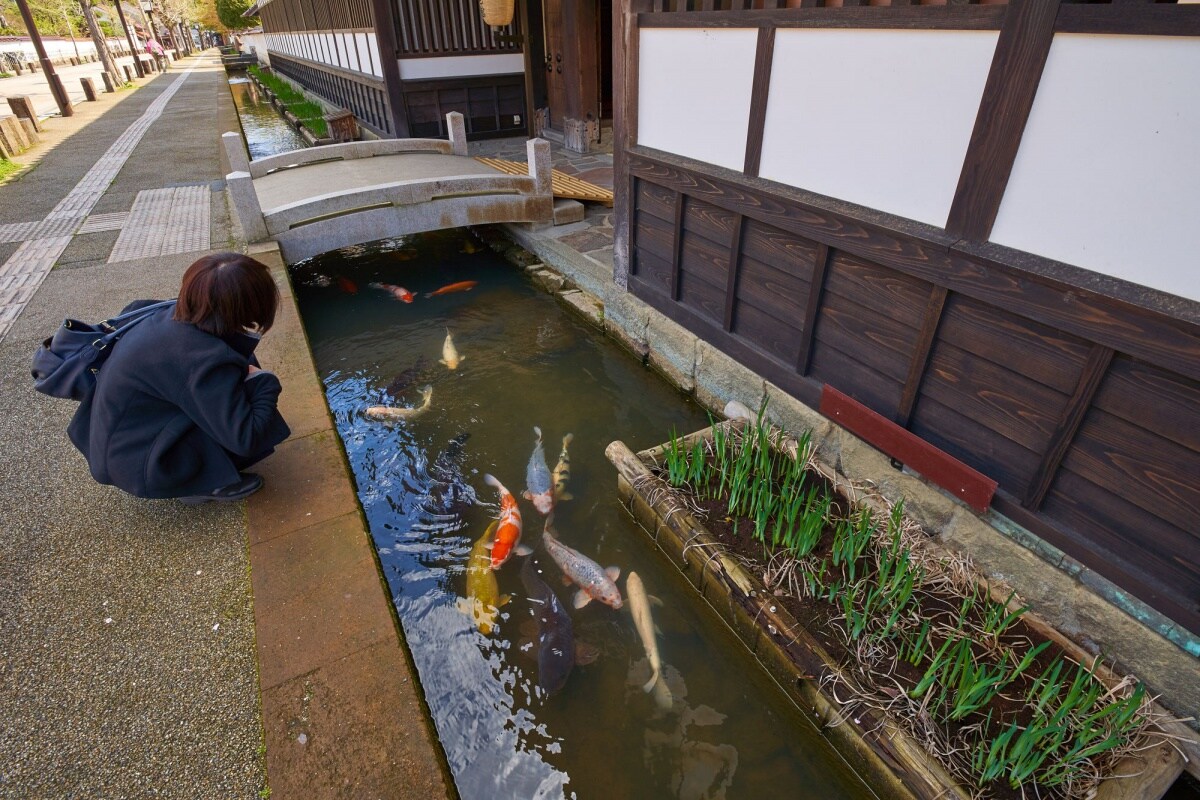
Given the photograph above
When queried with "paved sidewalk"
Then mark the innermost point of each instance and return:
(34, 84)
(130, 660)
(126, 627)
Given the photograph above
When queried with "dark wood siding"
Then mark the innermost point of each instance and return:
(450, 27)
(984, 361)
(490, 105)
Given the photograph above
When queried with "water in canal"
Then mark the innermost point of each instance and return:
(266, 133)
(725, 730)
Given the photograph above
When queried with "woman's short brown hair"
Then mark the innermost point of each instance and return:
(227, 293)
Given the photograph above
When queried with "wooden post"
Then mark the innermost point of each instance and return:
(625, 101)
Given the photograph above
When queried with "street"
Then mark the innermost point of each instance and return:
(35, 85)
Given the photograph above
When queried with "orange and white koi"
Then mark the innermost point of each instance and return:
(399, 292)
(538, 487)
(461, 286)
(346, 285)
(507, 538)
(450, 356)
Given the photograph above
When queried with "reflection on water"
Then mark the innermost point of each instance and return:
(266, 132)
(716, 728)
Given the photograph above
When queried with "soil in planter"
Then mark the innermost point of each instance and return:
(825, 622)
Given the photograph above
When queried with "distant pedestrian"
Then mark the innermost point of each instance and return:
(181, 406)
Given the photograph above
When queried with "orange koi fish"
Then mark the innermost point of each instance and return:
(346, 285)
(461, 286)
(507, 538)
(399, 292)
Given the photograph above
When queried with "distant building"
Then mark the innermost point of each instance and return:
(548, 72)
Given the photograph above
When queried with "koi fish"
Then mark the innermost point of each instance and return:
(555, 634)
(407, 377)
(639, 606)
(461, 286)
(399, 292)
(483, 601)
(508, 533)
(594, 582)
(470, 248)
(407, 254)
(394, 413)
(537, 478)
(450, 356)
(562, 471)
(346, 285)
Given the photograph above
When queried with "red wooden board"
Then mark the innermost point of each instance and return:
(972, 487)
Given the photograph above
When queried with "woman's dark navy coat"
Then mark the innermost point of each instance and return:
(174, 413)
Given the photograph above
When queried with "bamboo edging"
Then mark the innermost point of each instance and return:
(893, 762)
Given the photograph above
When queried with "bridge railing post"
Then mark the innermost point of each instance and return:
(458, 133)
(236, 151)
(246, 207)
(537, 152)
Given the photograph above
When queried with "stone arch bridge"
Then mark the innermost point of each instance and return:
(319, 199)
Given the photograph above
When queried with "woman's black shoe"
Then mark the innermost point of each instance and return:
(250, 483)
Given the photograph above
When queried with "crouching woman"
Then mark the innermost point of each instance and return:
(181, 407)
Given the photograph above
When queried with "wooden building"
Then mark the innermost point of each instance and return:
(977, 220)
(548, 72)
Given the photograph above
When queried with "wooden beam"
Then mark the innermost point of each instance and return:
(1147, 19)
(1012, 83)
(966, 17)
(735, 257)
(385, 31)
(625, 108)
(920, 356)
(763, 58)
(677, 246)
(1068, 424)
(964, 483)
(815, 287)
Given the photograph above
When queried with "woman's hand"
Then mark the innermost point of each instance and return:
(251, 369)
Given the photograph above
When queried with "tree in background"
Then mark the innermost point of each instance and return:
(230, 13)
(110, 66)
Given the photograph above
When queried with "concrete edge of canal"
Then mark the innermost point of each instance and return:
(342, 710)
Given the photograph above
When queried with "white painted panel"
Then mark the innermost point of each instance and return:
(412, 69)
(877, 117)
(344, 53)
(330, 49)
(366, 43)
(1108, 173)
(694, 92)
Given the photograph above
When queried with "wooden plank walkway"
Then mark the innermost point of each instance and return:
(564, 185)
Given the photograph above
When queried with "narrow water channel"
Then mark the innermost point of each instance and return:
(266, 132)
(725, 730)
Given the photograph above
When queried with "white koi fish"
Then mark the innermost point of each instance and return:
(394, 413)
(594, 582)
(450, 356)
(562, 471)
(538, 487)
(639, 606)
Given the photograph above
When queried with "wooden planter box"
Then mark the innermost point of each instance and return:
(891, 761)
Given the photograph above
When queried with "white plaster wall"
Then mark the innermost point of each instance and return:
(337, 50)
(1108, 173)
(412, 69)
(368, 43)
(694, 90)
(876, 117)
